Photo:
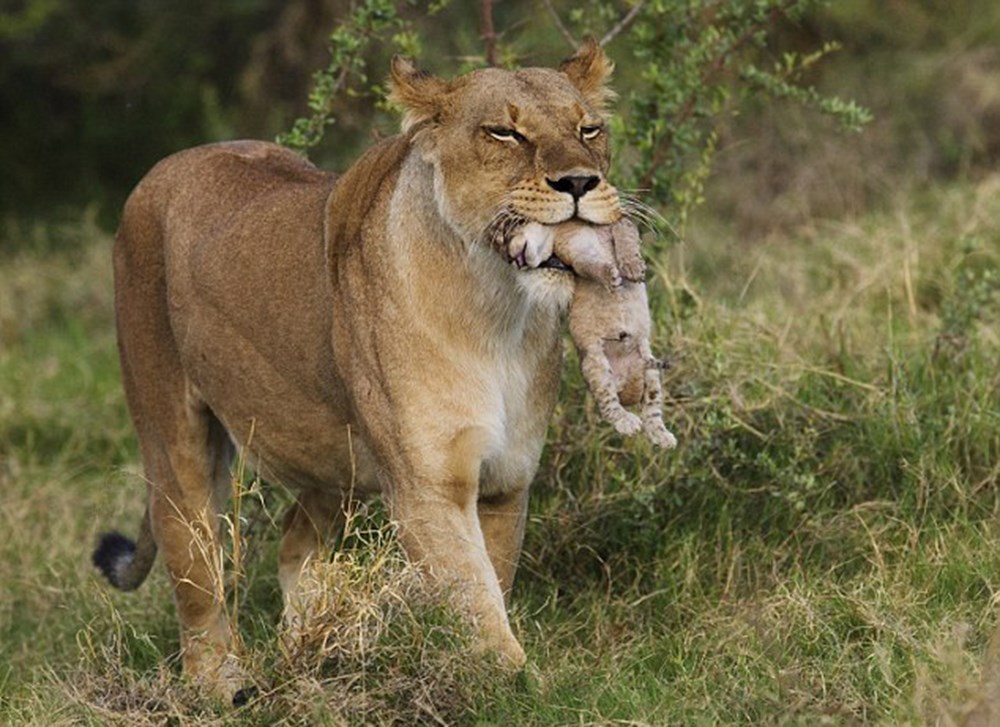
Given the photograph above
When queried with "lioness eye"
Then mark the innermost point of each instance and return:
(503, 134)
(589, 132)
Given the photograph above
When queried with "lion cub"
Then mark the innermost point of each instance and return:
(609, 322)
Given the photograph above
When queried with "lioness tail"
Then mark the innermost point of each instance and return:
(123, 562)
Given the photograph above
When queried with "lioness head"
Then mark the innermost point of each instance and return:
(510, 147)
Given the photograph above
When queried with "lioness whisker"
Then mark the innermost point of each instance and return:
(498, 230)
(648, 215)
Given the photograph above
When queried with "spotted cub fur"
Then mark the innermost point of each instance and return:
(610, 325)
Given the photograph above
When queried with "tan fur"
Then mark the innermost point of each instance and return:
(609, 322)
(357, 335)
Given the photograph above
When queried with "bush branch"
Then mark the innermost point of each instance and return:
(621, 24)
(489, 32)
(557, 21)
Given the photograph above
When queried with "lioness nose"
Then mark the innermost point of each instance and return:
(574, 185)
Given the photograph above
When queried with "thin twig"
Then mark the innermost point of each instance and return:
(489, 32)
(563, 30)
(712, 70)
(623, 23)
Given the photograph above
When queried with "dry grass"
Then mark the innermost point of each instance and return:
(366, 643)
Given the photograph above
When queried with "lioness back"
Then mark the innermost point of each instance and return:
(234, 232)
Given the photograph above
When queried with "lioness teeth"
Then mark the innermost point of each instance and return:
(555, 263)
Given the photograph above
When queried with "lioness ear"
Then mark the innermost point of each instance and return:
(589, 70)
(418, 92)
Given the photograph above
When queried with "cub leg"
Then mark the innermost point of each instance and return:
(652, 407)
(628, 255)
(601, 380)
(502, 518)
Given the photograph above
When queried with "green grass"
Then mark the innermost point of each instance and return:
(822, 548)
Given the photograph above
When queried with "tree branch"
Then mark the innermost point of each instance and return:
(563, 30)
(489, 32)
(712, 70)
(623, 23)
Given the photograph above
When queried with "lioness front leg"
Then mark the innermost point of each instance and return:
(440, 531)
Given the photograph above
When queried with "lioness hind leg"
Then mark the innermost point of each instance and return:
(185, 450)
(502, 518)
(311, 521)
(187, 489)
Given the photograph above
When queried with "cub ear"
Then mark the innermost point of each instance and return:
(419, 93)
(589, 69)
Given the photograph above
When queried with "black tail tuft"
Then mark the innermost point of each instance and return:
(245, 695)
(113, 557)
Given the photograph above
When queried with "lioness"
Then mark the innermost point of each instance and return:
(357, 334)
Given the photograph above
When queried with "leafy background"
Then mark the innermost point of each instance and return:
(823, 546)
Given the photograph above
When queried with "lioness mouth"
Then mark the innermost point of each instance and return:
(524, 243)
(553, 262)
(556, 263)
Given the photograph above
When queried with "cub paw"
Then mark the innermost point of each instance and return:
(633, 270)
(659, 435)
(626, 423)
(613, 277)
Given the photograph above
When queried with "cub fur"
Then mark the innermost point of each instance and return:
(609, 321)
(357, 334)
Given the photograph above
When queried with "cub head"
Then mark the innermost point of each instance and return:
(511, 147)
